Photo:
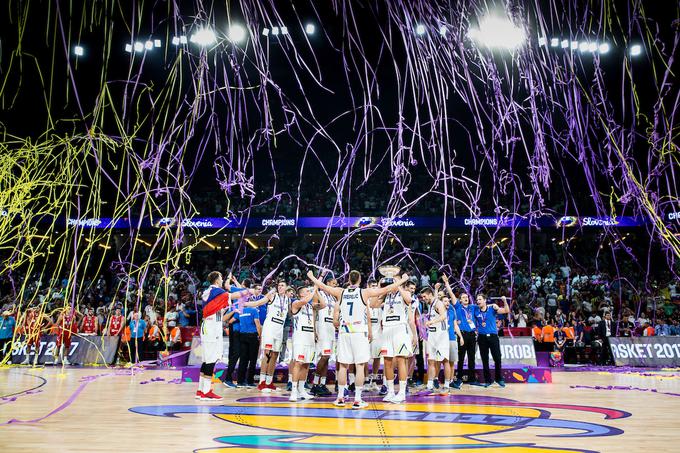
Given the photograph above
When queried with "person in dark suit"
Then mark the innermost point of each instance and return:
(605, 329)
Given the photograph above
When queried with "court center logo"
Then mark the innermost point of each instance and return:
(425, 423)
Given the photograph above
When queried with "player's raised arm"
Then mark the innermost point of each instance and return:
(333, 291)
(379, 292)
(265, 300)
(504, 310)
(454, 299)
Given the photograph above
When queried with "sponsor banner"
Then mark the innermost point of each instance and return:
(517, 351)
(646, 351)
(92, 349)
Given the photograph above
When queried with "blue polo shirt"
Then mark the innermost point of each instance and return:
(7, 327)
(451, 312)
(137, 328)
(466, 316)
(486, 321)
(248, 317)
(236, 325)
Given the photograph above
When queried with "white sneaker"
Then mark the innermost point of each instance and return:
(65, 361)
(293, 396)
(375, 387)
(340, 402)
(359, 404)
(398, 399)
(25, 362)
(35, 360)
(306, 396)
(389, 397)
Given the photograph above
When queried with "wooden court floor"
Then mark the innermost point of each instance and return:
(86, 410)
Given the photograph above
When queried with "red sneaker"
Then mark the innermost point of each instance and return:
(271, 387)
(211, 396)
(261, 386)
(199, 395)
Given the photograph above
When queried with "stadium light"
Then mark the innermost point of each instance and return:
(564, 44)
(237, 33)
(265, 31)
(498, 32)
(183, 40)
(635, 50)
(554, 42)
(443, 30)
(310, 29)
(542, 41)
(148, 45)
(203, 37)
(420, 29)
(78, 51)
(574, 45)
(156, 42)
(583, 46)
(592, 47)
(128, 48)
(139, 46)
(284, 30)
(275, 31)
(604, 48)
(175, 41)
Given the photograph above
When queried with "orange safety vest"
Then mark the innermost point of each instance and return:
(537, 333)
(175, 335)
(649, 331)
(569, 332)
(548, 334)
(126, 335)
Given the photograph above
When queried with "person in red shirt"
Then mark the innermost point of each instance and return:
(32, 328)
(90, 324)
(116, 323)
(67, 325)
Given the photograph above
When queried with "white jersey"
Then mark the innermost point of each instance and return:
(277, 311)
(394, 311)
(303, 325)
(432, 314)
(353, 311)
(376, 318)
(325, 315)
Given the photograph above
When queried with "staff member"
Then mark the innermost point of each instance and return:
(465, 317)
(137, 329)
(7, 324)
(488, 337)
(250, 332)
(234, 331)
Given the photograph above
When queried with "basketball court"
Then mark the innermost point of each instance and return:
(101, 409)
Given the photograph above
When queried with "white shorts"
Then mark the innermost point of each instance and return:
(376, 345)
(303, 352)
(272, 338)
(212, 351)
(396, 341)
(326, 344)
(453, 351)
(353, 348)
(438, 346)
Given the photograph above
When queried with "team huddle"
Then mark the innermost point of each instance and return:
(383, 321)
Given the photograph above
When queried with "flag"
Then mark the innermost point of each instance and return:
(215, 300)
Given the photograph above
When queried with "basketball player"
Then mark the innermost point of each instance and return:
(376, 345)
(351, 314)
(89, 325)
(216, 299)
(397, 337)
(116, 323)
(324, 304)
(303, 342)
(67, 325)
(465, 315)
(437, 337)
(32, 327)
(278, 307)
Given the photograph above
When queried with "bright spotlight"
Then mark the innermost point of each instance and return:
(420, 29)
(128, 48)
(542, 41)
(564, 44)
(498, 32)
(148, 45)
(265, 31)
(604, 48)
(175, 41)
(139, 46)
(443, 30)
(574, 45)
(583, 47)
(183, 40)
(204, 37)
(237, 33)
(79, 51)
(310, 29)
(592, 47)
(636, 50)
(554, 42)
(275, 31)
(284, 30)
(156, 42)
